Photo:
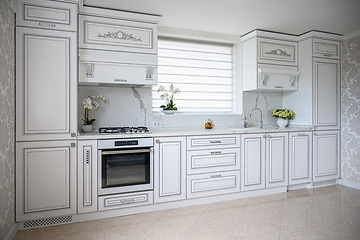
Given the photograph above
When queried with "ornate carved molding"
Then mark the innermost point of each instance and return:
(197, 34)
(149, 73)
(120, 35)
(263, 78)
(293, 80)
(90, 70)
(278, 52)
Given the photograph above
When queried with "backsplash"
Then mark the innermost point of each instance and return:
(132, 107)
(7, 119)
(350, 110)
(266, 101)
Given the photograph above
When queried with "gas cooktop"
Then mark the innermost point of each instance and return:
(103, 130)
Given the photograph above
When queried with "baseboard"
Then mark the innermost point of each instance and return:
(12, 232)
(349, 184)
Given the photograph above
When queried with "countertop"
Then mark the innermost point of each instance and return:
(174, 132)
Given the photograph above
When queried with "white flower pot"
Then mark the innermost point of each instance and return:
(87, 128)
(169, 112)
(282, 122)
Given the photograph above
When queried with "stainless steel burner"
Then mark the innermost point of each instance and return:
(104, 130)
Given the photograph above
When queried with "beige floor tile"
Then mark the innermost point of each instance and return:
(199, 232)
(182, 216)
(343, 236)
(258, 229)
(270, 212)
(342, 225)
(223, 219)
(109, 234)
(352, 213)
(163, 230)
(233, 205)
(236, 236)
(310, 221)
(295, 233)
(273, 198)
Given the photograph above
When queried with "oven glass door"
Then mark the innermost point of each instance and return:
(124, 170)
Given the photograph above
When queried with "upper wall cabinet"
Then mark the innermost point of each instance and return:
(326, 48)
(47, 14)
(117, 35)
(269, 62)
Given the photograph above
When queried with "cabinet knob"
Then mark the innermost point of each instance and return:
(157, 141)
(72, 145)
(73, 134)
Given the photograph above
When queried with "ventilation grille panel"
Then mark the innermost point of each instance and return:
(47, 222)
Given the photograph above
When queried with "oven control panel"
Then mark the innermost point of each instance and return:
(126, 143)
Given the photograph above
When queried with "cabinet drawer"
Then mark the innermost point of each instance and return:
(279, 52)
(47, 14)
(204, 161)
(326, 48)
(202, 185)
(210, 142)
(125, 200)
(117, 35)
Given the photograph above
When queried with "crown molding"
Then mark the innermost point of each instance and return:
(197, 35)
(352, 35)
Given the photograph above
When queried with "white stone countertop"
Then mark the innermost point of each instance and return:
(194, 131)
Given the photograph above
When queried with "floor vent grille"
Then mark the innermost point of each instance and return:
(47, 222)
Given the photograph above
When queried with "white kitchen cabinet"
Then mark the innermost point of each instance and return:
(45, 179)
(46, 85)
(277, 158)
(45, 14)
(270, 62)
(326, 155)
(252, 161)
(87, 176)
(210, 184)
(170, 169)
(215, 160)
(326, 48)
(326, 93)
(300, 157)
(212, 142)
(104, 33)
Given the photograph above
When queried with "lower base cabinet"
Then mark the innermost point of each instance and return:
(87, 176)
(169, 169)
(210, 184)
(45, 179)
(326, 155)
(300, 157)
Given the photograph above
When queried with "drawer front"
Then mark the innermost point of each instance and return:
(47, 14)
(277, 52)
(215, 141)
(326, 48)
(205, 161)
(117, 35)
(125, 200)
(202, 185)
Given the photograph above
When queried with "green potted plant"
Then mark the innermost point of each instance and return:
(90, 104)
(283, 116)
(168, 96)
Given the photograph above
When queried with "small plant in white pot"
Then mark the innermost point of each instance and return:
(90, 104)
(168, 96)
(283, 116)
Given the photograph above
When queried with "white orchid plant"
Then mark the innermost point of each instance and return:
(168, 96)
(90, 104)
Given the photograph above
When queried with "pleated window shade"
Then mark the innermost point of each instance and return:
(202, 71)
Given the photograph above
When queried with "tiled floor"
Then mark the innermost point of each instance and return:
(331, 212)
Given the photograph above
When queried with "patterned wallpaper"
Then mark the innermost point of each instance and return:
(350, 110)
(7, 118)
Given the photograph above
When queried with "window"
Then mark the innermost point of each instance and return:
(202, 71)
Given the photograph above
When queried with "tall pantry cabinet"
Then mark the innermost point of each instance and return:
(46, 108)
(317, 101)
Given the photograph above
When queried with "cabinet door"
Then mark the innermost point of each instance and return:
(326, 155)
(87, 176)
(46, 89)
(45, 179)
(326, 93)
(252, 161)
(300, 157)
(277, 52)
(170, 169)
(277, 158)
(326, 48)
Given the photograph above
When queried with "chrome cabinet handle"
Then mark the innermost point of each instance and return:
(216, 176)
(216, 152)
(327, 55)
(128, 200)
(120, 80)
(279, 87)
(215, 141)
(87, 157)
(302, 134)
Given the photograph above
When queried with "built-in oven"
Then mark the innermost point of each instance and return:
(125, 165)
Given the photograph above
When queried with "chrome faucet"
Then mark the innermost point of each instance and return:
(261, 120)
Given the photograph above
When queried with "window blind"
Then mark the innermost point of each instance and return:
(202, 71)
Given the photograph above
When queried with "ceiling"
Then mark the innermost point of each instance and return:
(238, 17)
